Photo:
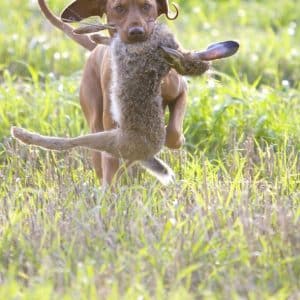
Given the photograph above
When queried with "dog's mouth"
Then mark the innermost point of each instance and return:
(133, 35)
(136, 40)
(137, 33)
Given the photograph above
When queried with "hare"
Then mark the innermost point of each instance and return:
(137, 72)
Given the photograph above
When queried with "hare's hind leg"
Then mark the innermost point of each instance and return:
(100, 141)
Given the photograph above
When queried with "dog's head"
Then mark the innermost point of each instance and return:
(133, 19)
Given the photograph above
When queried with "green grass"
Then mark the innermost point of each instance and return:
(227, 229)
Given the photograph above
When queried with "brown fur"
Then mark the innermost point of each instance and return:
(95, 84)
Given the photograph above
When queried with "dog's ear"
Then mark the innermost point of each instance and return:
(81, 9)
(163, 8)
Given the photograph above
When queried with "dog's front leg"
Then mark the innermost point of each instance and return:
(174, 135)
(174, 93)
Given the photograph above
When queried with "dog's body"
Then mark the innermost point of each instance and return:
(95, 98)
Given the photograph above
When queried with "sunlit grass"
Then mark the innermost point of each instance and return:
(227, 229)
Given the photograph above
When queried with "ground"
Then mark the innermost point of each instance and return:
(227, 229)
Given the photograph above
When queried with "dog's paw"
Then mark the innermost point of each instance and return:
(174, 139)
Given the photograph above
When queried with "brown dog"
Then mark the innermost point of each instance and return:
(137, 113)
(134, 20)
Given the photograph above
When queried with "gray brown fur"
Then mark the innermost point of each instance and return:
(137, 73)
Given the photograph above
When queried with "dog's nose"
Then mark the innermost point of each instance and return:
(136, 32)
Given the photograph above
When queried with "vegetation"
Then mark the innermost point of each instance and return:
(227, 229)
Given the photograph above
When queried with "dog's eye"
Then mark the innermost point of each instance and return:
(120, 9)
(146, 7)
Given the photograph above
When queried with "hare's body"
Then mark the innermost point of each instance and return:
(137, 71)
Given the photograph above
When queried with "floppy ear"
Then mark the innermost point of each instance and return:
(81, 9)
(162, 7)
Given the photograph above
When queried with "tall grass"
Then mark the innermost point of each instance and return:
(227, 229)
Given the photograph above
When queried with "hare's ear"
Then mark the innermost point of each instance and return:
(81, 9)
(219, 50)
(215, 51)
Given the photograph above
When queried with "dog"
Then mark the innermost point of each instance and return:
(134, 22)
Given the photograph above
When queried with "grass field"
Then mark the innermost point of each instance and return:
(227, 229)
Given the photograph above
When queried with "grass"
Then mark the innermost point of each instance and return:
(227, 229)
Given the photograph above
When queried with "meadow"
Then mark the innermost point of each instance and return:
(227, 229)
